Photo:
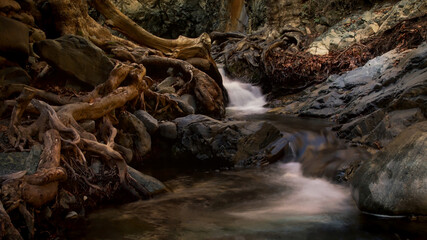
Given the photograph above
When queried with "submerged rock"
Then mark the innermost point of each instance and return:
(394, 182)
(151, 184)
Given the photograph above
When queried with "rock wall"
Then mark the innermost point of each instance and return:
(171, 18)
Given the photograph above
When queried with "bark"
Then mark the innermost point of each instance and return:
(182, 47)
(7, 230)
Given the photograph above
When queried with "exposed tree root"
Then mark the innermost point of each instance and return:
(61, 133)
(89, 165)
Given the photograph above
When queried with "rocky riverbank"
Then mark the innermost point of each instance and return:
(81, 104)
(366, 73)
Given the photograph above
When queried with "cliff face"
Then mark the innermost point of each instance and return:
(171, 18)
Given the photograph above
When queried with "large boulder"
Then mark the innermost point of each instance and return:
(394, 182)
(77, 57)
(14, 40)
(210, 143)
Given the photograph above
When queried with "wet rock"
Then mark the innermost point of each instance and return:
(394, 182)
(214, 144)
(14, 43)
(20, 161)
(373, 103)
(77, 57)
(379, 128)
(14, 75)
(168, 130)
(150, 183)
(141, 139)
(149, 121)
(185, 104)
(189, 100)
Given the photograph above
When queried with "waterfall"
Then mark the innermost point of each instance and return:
(244, 98)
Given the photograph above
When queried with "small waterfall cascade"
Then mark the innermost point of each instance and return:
(244, 98)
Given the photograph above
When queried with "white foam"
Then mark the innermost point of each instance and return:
(244, 97)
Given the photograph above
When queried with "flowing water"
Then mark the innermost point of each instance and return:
(273, 202)
(244, 98)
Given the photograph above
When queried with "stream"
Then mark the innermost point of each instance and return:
(277, 201)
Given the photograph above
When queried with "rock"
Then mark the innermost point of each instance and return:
(89, 126)
(168, 130)
(363, 25)
(373, 103)
(185, 104)
(189, 100)
(14, 75)
(167, 84)
(9, 5)
(72, 215)
(164, 90)
(96, 166)
(252, 149)
(66, 199)
(77, 57)
(24, 18)
(140, 137)
(394, 182)
(20, 161)
(14, 43)
(210, 143)
(199, 17)
(149, 121)
(379, 128)
(150, 183)
(37, 35)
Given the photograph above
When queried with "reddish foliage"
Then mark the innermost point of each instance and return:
(292, 72)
